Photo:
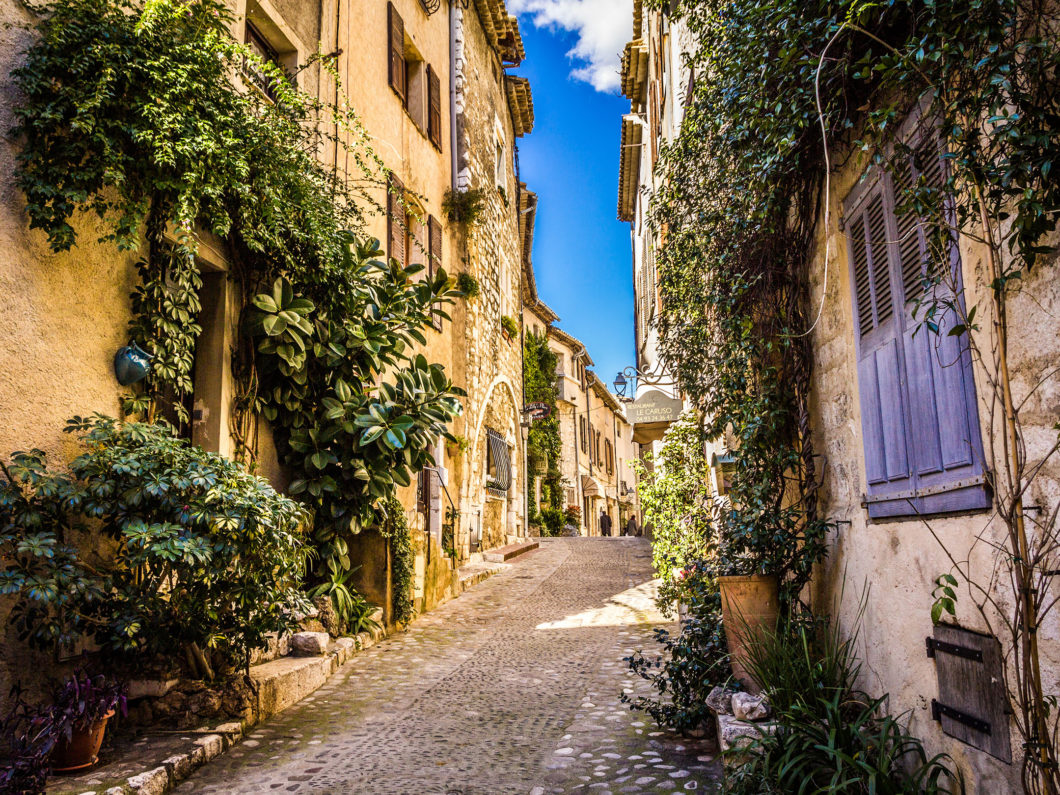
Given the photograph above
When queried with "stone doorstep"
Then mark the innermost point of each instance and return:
(471, 575)
(503, 554)
(177, 755)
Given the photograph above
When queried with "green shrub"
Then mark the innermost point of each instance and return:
(552, 521)
(200, 561)
(468, 285)
(830, 736)
(692, 662)
(510, 326)
(464, 207)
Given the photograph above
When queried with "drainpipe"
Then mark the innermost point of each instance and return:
(455, 162)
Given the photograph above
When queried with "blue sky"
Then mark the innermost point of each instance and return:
(581, 250)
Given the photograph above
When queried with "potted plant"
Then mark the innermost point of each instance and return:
(78, 718)
(750, 607)
(27, 743)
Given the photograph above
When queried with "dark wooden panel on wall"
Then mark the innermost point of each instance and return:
(972, 705)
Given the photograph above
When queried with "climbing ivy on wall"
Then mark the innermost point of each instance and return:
(788, 90)
(543, 447)
(402, 562)
(137, 112)
(676, 500)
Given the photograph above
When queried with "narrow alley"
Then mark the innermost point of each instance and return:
(513, 687)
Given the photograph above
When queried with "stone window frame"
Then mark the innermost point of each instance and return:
(260, 20)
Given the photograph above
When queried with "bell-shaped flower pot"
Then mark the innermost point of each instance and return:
(132, 364)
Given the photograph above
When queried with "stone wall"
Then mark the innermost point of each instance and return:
(897, 561)
(492, 364)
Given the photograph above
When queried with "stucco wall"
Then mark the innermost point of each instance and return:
(65, 316)
(898, 561)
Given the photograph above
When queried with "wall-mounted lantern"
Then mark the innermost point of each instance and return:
(132, 364)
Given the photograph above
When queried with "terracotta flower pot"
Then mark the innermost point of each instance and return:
(81, 750)
(749, 605)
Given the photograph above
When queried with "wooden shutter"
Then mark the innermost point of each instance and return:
(396, 53)
(946, 443)
(581, 427)
(395, 220)
(418, 251)
(883, 409)
(434, 107)
(972, 705)
(923, 452)
(434, 260)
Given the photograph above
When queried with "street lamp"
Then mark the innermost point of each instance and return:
(632, 377)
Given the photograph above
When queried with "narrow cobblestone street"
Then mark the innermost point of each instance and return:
(512, 688)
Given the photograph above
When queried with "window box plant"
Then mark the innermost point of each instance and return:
(509, 328)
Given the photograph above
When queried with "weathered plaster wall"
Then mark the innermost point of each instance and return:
(65, 316)
(898, 561)
(425, 172)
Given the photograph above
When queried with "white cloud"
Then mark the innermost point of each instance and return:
(602, 26)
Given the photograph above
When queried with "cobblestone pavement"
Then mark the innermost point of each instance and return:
(511, 688)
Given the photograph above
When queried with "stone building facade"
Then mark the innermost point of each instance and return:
(493, 109)
(596, 440)
(67, 314)
(433, 92)
(655, 80)
(907, 426)
(894, 547)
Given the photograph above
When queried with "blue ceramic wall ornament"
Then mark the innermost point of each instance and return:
(131, 364)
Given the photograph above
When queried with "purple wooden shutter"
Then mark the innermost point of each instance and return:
(947, 447)
(434, 107)
(396, 52)
(883, 401)
(923, 452)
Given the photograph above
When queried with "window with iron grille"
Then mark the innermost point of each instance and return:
(498, 464)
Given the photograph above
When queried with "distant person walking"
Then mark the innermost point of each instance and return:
(631, 527)
(605, 523)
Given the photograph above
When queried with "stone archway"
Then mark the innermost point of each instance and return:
(493, 514)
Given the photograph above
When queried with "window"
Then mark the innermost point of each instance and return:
(499, 169)
(434, 261)
(397, 225)
(260, 45)
(498, 464)
(609, 457)
(920, 427)
(414, 80)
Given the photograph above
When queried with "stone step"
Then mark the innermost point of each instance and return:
(474, 573)
(502, 554)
